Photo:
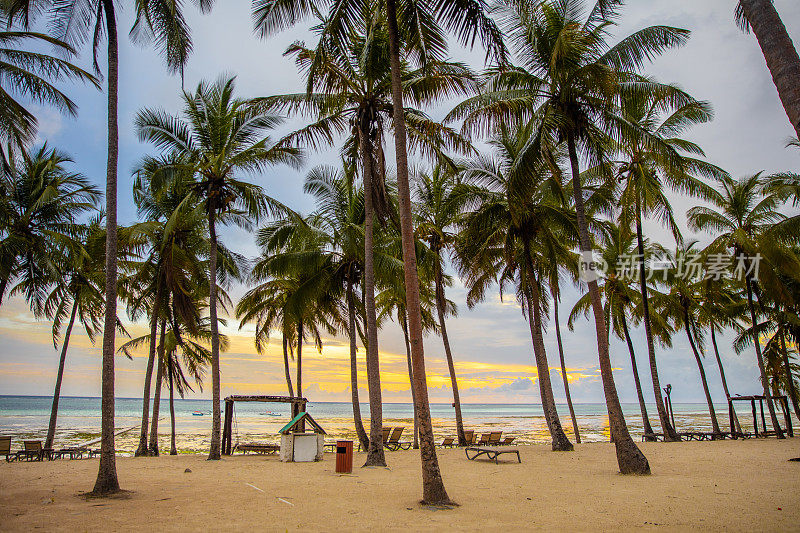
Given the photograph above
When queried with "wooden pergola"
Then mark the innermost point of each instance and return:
(298, 406)
(782, 400)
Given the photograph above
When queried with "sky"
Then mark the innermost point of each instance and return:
(491, 342)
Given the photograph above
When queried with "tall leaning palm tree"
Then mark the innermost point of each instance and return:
(655, 158)
(763, 19)
(514, 222)
(76, 22)
(680, 305)
(739, 216)
(568, 78)
(412, 27)
(219, 137)
(349, 91)
(620, 299)
(438, 211)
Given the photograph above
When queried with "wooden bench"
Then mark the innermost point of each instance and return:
(491, 453)
(258, 448)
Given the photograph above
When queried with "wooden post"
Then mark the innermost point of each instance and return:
(763, 420)
(227, 428)
(755, 417)
(787, 416)
(731, 418)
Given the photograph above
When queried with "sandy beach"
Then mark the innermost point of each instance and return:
(728, 485)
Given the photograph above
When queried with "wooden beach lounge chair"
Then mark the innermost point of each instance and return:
(386, 431)
(33, 451)
(469, 435)
(494, 438)
(394, 443)
(506, 441)
(448, 442)
(74, 452)
(491, 452)
(5, 448)
(484, 439)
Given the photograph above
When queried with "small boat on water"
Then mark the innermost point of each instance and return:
(270, 413)
(197, 413)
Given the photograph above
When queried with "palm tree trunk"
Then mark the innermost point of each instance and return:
(51, 429)
(404, 324)
(711, 412)
(351, 323)
(629, 457)
(433, 491)
(3, 285)
(107, 481)
(669, 432)
(375, 455)
(737, 427)
(440, 307)
(214, 452)
(148, 375)
(779, 52)
(560, 441)
(153, 446)
(564, 372)
(173, 450)
(286, 369)
(789, 378)
(648, 429)
(760, 361)
(300, 358)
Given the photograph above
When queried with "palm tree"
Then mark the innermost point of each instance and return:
(295, 282)
(468, 19)
(340, 217)
(192, 350)
(31, 75)
(78, 296)
(681, 306)
(219, 137)
(568, 81)
(781, 330)
(437, 213)
(621, 300)
(718, 308)
(425, 41)
(75, 22)
(655, 156)
(392, 300)
(41, 204)
(516, 220)
(739, 216)
(270, 313)
(349, 87)
(763, 19)
(175, 233)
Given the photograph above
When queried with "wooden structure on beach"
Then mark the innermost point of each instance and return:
(782, 400)
(298, 406)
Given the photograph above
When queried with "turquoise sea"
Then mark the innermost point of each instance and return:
(79, 420)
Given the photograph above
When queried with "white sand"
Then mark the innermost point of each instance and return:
(729, 485)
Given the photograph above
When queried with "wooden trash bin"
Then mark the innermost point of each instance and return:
(344, 456)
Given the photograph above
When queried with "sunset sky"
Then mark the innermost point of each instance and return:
(491, 343)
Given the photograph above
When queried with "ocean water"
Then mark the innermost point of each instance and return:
(79, 420)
